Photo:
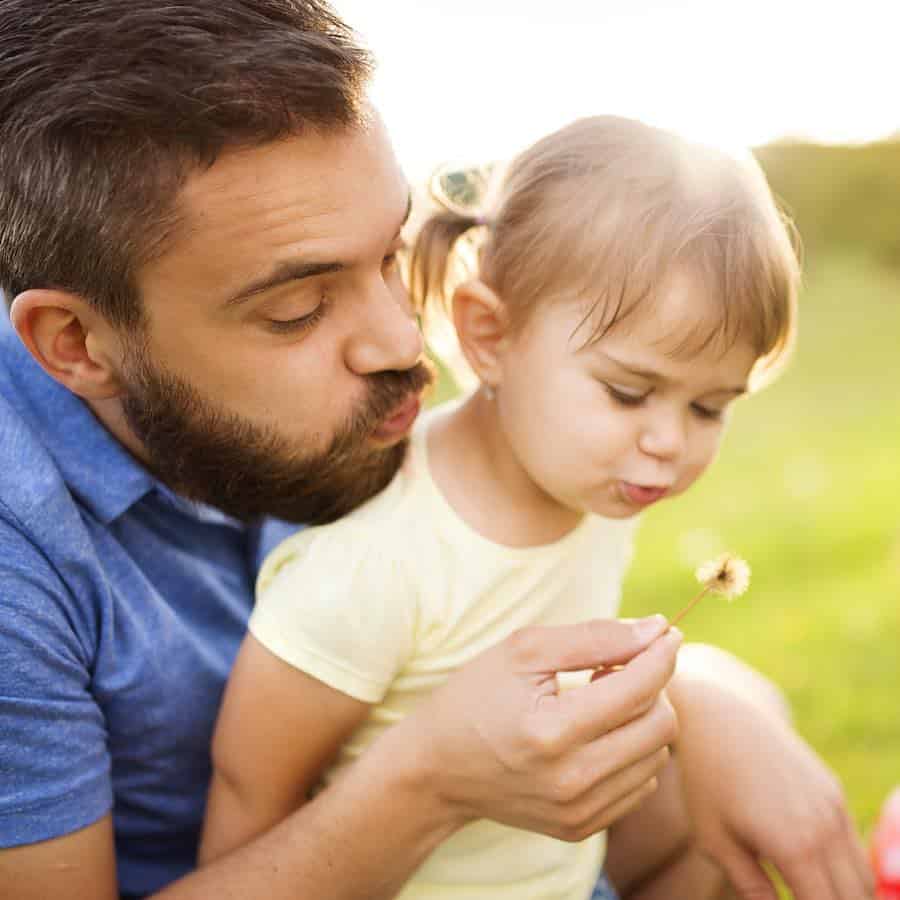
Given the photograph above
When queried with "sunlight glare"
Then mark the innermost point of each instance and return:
(481, 80)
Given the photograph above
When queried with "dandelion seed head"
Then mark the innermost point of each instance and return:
(728, 575)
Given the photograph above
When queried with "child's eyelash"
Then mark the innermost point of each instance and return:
(633, 400)
(625, 399)
(712, 415)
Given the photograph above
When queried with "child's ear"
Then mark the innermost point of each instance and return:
(482, 324)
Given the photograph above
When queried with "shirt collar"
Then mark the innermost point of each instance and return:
(197, 510)
(104, 476)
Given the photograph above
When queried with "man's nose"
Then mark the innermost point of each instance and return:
(386, 335)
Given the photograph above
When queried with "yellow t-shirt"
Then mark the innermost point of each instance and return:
(385, 603)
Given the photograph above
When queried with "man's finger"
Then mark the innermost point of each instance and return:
(609, 815)
(636, 739)
(600, 706)
(587, 645)
(602, 792)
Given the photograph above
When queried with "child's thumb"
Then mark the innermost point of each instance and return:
(747, 876)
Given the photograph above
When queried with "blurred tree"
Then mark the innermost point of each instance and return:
(841, 197)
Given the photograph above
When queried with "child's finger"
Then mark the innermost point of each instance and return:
(859, 856)
(747, 876)
(850, 873)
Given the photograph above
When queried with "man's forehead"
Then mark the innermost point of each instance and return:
(337, 197)
(299, 180)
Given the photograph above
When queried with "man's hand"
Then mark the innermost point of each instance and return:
(503, 744)
(756, 792)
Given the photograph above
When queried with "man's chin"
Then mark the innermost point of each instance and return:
(359, 484)
(206, 453)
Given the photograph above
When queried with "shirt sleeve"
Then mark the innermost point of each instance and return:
(54, 766)
(334, 604)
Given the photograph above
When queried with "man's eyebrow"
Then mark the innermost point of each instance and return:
(281, 274)
(297, 271)
(651, 375)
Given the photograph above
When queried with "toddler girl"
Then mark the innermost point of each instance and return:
(629, 288)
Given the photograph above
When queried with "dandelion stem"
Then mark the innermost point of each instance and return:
(682, 613)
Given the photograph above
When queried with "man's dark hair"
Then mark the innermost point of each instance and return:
(106, 106)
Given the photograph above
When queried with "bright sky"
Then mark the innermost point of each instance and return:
(476, 80)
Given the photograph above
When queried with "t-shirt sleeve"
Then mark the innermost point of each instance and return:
(335, 604)
(54, 766)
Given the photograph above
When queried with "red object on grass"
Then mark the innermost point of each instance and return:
(886, 849)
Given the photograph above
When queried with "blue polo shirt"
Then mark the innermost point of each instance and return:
(121, 609)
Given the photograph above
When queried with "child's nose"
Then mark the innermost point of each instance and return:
(664, 435)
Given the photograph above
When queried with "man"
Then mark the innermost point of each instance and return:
(199, 218)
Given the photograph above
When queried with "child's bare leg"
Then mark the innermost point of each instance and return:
(651, 852)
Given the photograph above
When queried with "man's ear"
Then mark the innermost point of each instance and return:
(482, 326)
(70, 340)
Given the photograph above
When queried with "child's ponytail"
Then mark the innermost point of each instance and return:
(433, 253)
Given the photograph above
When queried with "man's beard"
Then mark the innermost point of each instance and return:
(207, 453)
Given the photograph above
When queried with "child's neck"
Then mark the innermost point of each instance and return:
(480, 477)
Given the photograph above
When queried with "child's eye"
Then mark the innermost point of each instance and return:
(705, 412)
(625, 397)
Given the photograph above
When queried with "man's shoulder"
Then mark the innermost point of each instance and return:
(42, 535)
(32, 490)
(42, 539)
(56, 459)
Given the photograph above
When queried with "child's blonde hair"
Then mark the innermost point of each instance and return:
(604, 209)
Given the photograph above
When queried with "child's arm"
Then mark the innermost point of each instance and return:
(277, 730)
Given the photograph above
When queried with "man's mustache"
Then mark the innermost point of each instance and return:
(387, 391)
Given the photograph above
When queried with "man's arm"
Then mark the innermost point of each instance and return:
(54, 766)
(364, 842)
(495, 742)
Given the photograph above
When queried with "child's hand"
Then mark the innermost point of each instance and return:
(757, 793)
(504, 744)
